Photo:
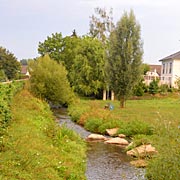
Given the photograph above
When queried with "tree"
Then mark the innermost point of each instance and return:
(2, 76)
(88, 68)
(125, 57)
(154, 87)
(145, 68)
(101, 25)
(83, 59)
(9, 64)
(61, 49)
(48, 80)
(24, 62)
(53, 46)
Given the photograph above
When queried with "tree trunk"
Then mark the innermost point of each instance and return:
(122, 102)
(104, 95)
(112, 95)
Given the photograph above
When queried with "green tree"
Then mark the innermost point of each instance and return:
(88, 68)
(2, 76)
(125, 57)
(48, 81)
(154, 87)
(53, 46)
(145, 68)
(61, 49)
(101, 26)
(24, 62)
(9, 64)
(140, 88)
(72, 46)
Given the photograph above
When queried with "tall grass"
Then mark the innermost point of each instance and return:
(36, 148)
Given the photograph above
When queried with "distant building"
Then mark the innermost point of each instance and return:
(24, 70)
(170, 69)
(154, 73)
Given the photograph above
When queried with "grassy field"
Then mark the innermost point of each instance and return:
(35, 147)
(155, 121)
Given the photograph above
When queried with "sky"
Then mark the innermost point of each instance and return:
(25, 23)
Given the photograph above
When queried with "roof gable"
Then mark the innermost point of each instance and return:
(155, 68)
(172, 56)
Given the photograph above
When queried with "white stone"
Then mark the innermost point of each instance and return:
(142, 151)
(117, 140)
(96, 137)
(112, 132)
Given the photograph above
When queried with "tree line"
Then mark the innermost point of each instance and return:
(108, 57)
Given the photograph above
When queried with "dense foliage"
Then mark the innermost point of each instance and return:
(9, 64)
(125, 56)
(36, 148)
(83, 58)
(48, 81)
(6, 94)
(88, 68)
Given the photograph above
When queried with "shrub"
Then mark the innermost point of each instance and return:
(48, 81)
(135, 127)
(154, 87)
(109, 125)
(92, 124)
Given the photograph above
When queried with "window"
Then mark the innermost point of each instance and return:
(170, 68)
(167, 68)
(163, 68)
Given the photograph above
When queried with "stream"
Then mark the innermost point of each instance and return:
(104, 161)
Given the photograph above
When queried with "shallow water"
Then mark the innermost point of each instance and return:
(104, 161)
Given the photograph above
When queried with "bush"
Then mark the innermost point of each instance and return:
(135, 127)
(109, 125)
(154, 87)
(93, 124)
(48, 81)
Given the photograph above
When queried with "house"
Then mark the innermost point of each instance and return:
(170, 69)
(24, 70)
(153, 73)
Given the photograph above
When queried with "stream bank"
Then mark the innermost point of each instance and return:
(104, 161)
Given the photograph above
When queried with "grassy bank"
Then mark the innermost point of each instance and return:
(154, 121)
(36, 148)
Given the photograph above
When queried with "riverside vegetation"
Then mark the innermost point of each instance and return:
(154, 121)
(32, 145)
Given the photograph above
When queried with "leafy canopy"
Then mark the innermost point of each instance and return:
(48, 80)
(83, 58)
(9, 64)
(88, 68)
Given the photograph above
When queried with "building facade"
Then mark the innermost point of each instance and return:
(170, 69)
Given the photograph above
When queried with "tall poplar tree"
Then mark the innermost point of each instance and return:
(125, 57)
